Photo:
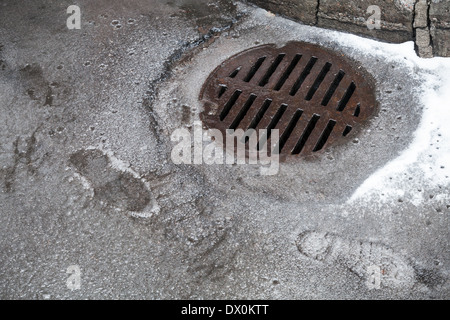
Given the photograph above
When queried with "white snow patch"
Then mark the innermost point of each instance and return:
(428, 156)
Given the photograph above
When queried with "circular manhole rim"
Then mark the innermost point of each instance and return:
(358, 74)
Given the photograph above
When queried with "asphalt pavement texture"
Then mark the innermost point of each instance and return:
(87, 178)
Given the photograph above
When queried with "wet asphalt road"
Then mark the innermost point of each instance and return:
(87, 180)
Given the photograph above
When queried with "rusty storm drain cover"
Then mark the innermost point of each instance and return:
(313, 96)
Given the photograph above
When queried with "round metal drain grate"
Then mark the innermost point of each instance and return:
(313, 96)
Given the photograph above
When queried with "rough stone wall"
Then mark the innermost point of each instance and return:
(427, 22)
(351, 16)
(422, 29)
(439, 20)
(304, 10)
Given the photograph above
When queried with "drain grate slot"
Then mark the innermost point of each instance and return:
(273, 123)
(305, 136)
(272, 69)
(303, 76)
(347, 130)
(254, 69)
(325, 135)
(290, 128)
(288, 72)
(226, 110)
(243, 112)
(313, 96)
(333, 87)
(222, 89)
(235, 73)
(261, 112)
(357, 110)
(346, 98)
(326, 68)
